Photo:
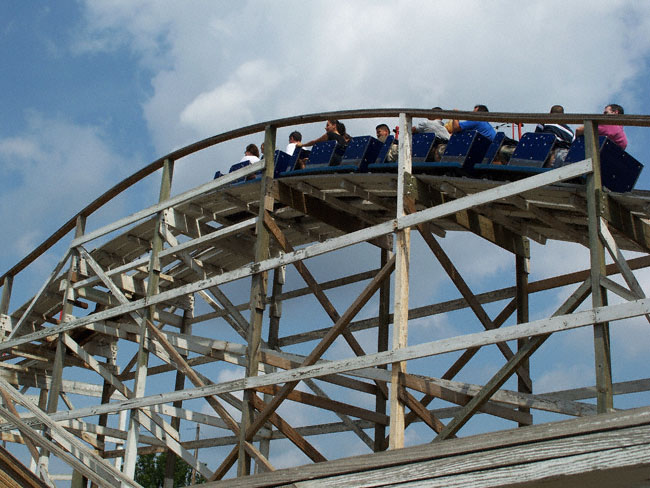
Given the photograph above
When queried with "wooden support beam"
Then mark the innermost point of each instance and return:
(521, 270)
(325, 403)
(331, 311)
(435, 390)
(465, 357)
(463, 288)
(320, 210)
(313, 357)
(523, 353)
(142, 358)
(169, 432)
(53, 393)
(619, 259)
(356, 190)
(179, 384)
(382, 345)
(9, 404)
(401, 285)
(332, 200)
(550, 219)
(73, 451)
(471, 219)
(343, 415)
(275, 313)
(32, 304)
(257, 300)
(6, 294)
(624, 221)
(602, 352)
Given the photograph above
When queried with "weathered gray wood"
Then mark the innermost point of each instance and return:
(177, 200)
(257, 306)
(541, 327)
(6, 295)
(401, 284)
(498, 379)
(602, 353)
(142, 358)
(53, 275)
(488, 297)
(185, 246)
(194, 263)
(619, 259)
(565, 433)
(9, 405)
(70, 443)
(572, 458)
(369, 233)
(522, 269)
(382, 345)
(316, 353)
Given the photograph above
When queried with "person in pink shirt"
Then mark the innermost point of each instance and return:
(615, 133)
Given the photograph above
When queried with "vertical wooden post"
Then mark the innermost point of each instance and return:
(382, 345)
(51, 403)
(107, 392)
(400, 308)
(258, 296)
(522, 270)
(78, 480)
(170, 461)
(42, 404)
(74, 264)
(59, 355)
(5, 321)
(275, 310)
(602, 354)
(275, 313)
(133, 435)
(6, 294)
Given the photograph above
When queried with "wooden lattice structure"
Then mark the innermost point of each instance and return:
(128, 344)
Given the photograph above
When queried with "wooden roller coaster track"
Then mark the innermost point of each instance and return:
(244, 328)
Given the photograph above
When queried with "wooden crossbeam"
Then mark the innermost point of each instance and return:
(316, 353)
(331, 200)
(524, 352)
(320, 210)
(471, 219)
(630, 225)
(83, 459)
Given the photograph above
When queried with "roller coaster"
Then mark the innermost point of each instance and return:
(263, 326)
(466, 154)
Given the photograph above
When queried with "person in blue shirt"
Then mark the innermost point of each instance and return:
(483, 128)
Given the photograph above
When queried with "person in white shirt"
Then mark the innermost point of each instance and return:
(294, 137)
(435, 125)
(252, 154)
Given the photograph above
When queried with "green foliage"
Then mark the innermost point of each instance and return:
(150, 471)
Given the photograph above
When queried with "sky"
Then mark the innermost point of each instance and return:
(92, 91)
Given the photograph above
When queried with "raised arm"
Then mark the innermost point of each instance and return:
(311, 143)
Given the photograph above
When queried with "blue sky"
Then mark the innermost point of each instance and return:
(93, 90)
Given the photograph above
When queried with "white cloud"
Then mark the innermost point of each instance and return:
(315, 58)
(56, 168)
(557, 257)
(240, 94)
(564, 377)
(214, 68)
